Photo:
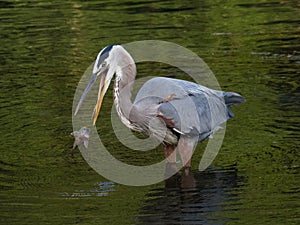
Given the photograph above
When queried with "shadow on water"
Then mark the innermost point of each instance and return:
(192, 197)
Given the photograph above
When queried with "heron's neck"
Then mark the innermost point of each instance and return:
(125, 77)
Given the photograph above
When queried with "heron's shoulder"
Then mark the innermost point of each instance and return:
(160, 87)
(163, 87)
(170, 84)
(183, 86)
(162, 80)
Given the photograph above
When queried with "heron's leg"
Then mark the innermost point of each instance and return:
(186, 147)
(168, 150)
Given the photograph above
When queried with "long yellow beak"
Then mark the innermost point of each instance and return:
(104, 84)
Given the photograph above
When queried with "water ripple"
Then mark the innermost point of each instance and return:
(102, 189)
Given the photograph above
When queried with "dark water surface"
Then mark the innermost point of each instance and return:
(252, 47)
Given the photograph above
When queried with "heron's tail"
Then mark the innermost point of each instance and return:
(232, 99)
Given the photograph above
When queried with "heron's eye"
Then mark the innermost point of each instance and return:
(103, 64)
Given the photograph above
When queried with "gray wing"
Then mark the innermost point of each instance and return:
(186, 107)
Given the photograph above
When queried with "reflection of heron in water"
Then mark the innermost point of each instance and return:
(185, 112)
(196, 198)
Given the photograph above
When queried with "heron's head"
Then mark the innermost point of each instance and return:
(105, 66)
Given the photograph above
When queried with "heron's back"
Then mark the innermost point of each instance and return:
(193, 109)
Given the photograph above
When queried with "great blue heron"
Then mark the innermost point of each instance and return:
(185, 112)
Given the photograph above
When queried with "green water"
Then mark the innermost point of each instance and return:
(251, 46)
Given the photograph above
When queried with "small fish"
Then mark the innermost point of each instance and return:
(81, 136)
